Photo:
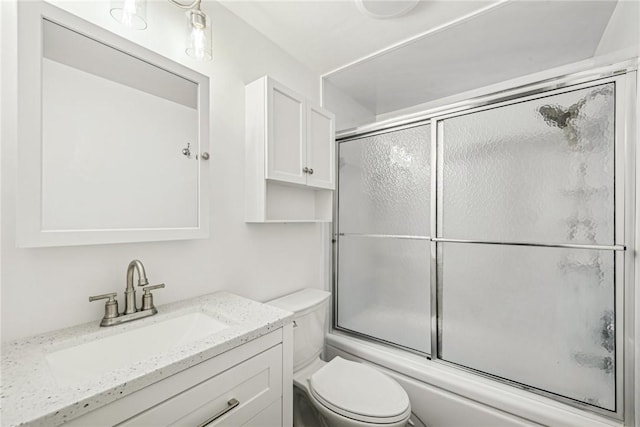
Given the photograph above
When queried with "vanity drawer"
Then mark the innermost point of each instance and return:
(270, 417)
(254, 384)
(258, 354)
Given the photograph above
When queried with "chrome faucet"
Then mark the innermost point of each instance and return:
(131, 312)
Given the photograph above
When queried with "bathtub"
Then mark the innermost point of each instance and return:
(443, 396)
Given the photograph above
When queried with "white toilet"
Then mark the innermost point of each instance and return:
(344, 393)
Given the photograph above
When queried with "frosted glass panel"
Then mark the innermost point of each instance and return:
(384, 289)
(535, 171)
(543, 317)
(384, 183)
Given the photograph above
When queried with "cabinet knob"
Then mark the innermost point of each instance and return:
(310, 171)
(305, 169)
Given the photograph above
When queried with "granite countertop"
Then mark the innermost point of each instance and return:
(32, 395)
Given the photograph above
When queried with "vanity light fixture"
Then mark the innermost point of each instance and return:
(130, 13)
(198, 31)
(133, 14)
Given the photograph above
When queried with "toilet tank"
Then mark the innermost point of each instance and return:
(310, 308)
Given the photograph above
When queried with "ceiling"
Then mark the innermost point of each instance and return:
(328, 34)
(509, 41)
(439, 49)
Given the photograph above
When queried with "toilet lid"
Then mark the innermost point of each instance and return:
(360, 392)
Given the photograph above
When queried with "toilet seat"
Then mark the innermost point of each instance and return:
(359, 392)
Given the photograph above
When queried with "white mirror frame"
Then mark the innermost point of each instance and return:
(30, 232)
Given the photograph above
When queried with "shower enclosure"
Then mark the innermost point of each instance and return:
(495, 239)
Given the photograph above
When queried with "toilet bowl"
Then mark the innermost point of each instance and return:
(350, 394)
(342, 393)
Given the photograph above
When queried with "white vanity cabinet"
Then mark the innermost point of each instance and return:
(246, 386)
(290, 155)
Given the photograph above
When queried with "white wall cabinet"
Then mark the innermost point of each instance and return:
(300, 136)
(320, 148)
(290, 155)
(241, 387)
(285, 130)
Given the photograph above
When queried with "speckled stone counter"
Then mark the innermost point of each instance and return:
(32, 395)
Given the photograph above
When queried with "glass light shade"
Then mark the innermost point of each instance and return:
(130, 13)
(199, 35)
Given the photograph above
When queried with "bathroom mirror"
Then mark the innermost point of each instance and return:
(111, 137)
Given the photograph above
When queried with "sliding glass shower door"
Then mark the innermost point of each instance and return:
(384, 205)
(526, 217)
(520, 274)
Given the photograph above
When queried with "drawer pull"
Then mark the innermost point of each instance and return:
(230, 405)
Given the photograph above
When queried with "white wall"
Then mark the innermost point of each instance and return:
(349, 112)
(46, 289)
(623, 31)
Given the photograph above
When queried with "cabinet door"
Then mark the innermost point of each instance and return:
(270, 417)
(320, 148)
(286, 149)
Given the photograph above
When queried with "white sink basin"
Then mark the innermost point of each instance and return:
(92, 359)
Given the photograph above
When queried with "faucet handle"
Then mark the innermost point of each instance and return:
(147, 297)
(111, 296)
(147, 289)
(110, 307)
